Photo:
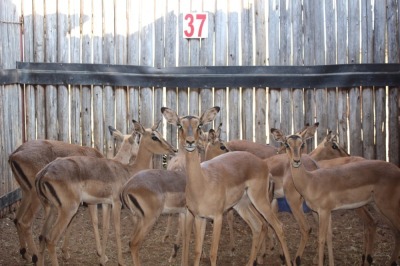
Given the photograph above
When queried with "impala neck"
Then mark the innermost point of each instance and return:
(300, 177)
(195, 177)
(143, 159)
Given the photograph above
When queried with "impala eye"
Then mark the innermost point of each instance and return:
(222, 147)
(286, 145)
(334, 146)
(154, 137)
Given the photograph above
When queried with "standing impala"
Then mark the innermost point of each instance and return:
(29, 158)
(219, 184)
(66, 182)
(347, 186)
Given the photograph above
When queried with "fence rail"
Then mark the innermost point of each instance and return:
(324, 76)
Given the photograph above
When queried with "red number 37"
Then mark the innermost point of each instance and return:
(195, 25)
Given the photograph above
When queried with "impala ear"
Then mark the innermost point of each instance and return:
(309, 132)
(209, 115)
(138, 127)
(218, 132)
(156, 125)
(278, 135)
(116, 133)
(212, 135)
(170, 115)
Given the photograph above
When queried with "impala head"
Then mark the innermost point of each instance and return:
(129, 145)
(294, 144)
(152, 140)
(190, 126)
(329, 148)
(215, 145)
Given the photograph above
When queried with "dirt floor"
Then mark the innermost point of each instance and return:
(347, 237)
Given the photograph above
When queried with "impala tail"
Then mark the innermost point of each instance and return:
(130, 202)
(44, 189)
(19, 174)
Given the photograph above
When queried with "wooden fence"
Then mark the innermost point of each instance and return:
(240, 33)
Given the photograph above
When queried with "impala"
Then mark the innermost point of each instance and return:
(347, 186)
(66, 182)
(29, 158)
(219, 184)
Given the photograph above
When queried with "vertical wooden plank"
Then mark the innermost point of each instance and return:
(121, 122)
(330, 59)
(368, 137)
(380, 92)
(171, 24)
(74, 48)
(147, 58)
(233, 60)
(285, 59)
(75, 51)
(109, 58)
(273, 51)
(11, 111)
(207, 54)
(320, 93)
(38, 47)
(309, 59)
(298, 47)
(51, 57)
(194, 60)
(98, 124)
(342, 59)
(30, 107)
(87, 57)
(260, 116)
(221, 53)
(393, 57)
(183, 60)
(63, 57)
(247, 55)
(159, 62)
(133, 57)
(354, 93)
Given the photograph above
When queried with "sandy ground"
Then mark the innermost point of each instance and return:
(347, 237)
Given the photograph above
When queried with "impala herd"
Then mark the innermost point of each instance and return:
(205, 179)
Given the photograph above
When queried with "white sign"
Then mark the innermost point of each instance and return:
(195, 25)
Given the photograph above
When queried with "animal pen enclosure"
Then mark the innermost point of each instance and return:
(84, 65)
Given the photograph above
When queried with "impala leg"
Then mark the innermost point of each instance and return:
(295, 202)
(177, 236)
(256, 223)
(200, 230)
(25, 223)
(229, 218)
(217, 226)
(22, 209)
(167, 228)
(329, 241)
(64, 218)
(65, 246)
(95, 223)
(49, 218)
(256, 193)
(116, 210)
(323, 217)
(187, 220)
(106, 226)
(369, 234)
